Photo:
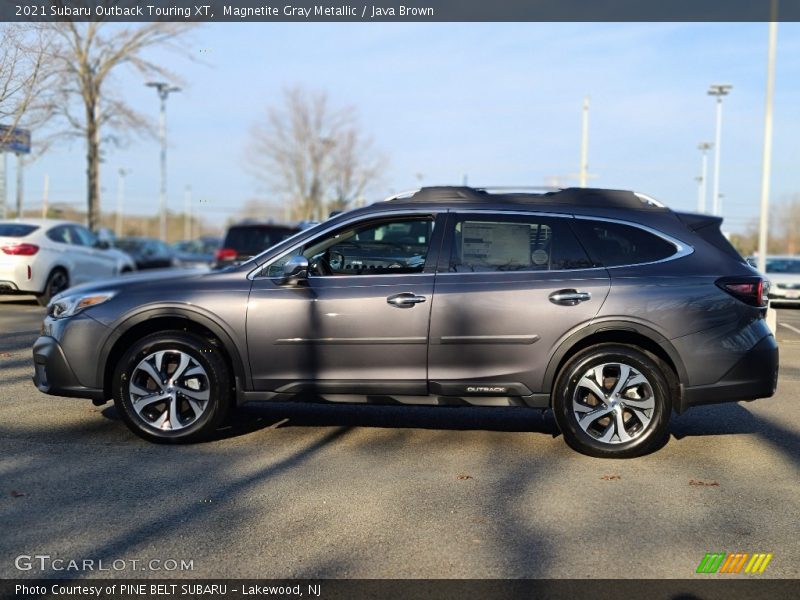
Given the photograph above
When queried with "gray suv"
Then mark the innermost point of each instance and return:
(602, 305)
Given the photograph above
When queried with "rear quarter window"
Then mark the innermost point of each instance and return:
(615, 244)
(16, 230)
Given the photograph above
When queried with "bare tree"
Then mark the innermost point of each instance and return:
(23, 71)
(788, 225)
(85, 56)
(316, 157)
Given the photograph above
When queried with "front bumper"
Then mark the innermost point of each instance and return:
(754, 376)
(53, 375)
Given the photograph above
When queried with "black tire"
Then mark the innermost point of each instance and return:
(216, 384)
(57, 282)
(572, 397)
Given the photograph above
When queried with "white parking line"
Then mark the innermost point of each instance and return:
(792, 327)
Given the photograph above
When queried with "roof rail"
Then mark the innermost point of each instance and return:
(519, 189)
(649, 200)
(406, 194)
(527, 195)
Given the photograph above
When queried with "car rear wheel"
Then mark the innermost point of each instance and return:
(172, 387)
(57, 282)
(612, 401)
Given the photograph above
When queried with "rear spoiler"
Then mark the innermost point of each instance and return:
(708, 227)
(698, 221)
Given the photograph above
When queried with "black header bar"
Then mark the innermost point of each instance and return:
(707, 587)
(208, 11)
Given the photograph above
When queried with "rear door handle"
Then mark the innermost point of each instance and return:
(569, 297)
(405, 300)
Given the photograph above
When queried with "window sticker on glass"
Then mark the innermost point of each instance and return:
(496, 244)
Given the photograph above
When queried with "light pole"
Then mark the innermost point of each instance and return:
(584, 166)
(767, 156)
(163, 90)
(187, 213)
(719, 90)
(704, 147)
(20, 183)
(120, 199)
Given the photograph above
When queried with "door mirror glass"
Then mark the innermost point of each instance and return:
(295, 270)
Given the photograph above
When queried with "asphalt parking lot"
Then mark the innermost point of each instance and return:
(291, 491)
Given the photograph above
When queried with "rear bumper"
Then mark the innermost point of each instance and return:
(53, 375)
(14, 275)
(754, 376)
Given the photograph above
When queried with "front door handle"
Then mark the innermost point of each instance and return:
(569, 297)
(405, 300)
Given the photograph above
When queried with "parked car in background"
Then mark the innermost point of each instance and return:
(603, 306)
(148, 253)
(46, 256)
(783, 271)
(246, 240)
(196, 253)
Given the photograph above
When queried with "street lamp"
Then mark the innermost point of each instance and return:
(719, 90)
(584, 165)
(163, 90)
(704, 147)
(120, 199)
(766, 162)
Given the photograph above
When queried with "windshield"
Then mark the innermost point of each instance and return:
(129, 245)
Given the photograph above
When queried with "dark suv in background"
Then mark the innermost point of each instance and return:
(604, 306)
(243, 241)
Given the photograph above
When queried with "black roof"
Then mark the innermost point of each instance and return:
(594, 197)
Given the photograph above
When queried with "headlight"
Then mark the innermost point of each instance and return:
(67, 306)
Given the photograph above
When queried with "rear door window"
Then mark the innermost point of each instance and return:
(61, 234)
(483, 243)
(614, 244)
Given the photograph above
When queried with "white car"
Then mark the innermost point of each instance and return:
(783, 272)
(46, 256)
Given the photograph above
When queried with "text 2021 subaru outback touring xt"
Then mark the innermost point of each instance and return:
(602, 305)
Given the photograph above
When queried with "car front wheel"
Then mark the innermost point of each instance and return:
(613, 401)
(57, 282)
(172, 387)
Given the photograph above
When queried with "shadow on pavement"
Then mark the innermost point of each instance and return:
(728, 419)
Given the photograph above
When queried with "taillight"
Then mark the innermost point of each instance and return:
(225, 254)
(20, 249)
(750, 290)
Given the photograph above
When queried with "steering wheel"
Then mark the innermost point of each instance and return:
(335, 260)
(327, 263)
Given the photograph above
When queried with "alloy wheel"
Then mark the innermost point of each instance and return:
(169, 390)
(613, 403)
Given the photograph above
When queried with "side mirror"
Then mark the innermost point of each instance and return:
(295, 270)
(102, 245)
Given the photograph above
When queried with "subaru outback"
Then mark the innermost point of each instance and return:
(604, 306)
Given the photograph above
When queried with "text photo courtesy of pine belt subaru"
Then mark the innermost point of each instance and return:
(46, 256)
(604, 306)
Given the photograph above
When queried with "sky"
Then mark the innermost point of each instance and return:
(499, 103)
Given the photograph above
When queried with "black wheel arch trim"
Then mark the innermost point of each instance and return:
(612, 326)
(241, 371)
